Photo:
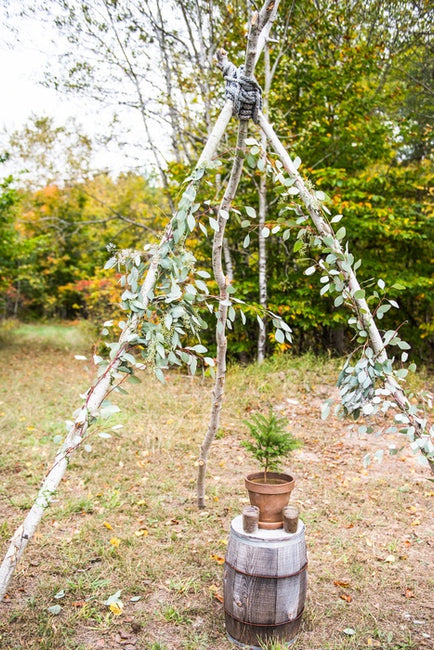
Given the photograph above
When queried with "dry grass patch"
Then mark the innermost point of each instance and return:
(125, 517)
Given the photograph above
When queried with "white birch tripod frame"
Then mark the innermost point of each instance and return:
(259, 31)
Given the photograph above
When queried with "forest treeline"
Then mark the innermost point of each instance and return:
(347, 86)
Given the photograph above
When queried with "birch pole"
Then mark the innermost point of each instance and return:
(222, 283)
(256, 41)
(262, 216)
(97, 393)
(364, 312)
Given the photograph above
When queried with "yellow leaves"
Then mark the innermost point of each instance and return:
(218, 559)
(346, 597)
(116, 541)
(214, 589)
(115, 604)
(117, 608)
(343, 584)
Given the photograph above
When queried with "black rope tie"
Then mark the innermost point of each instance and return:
(244, 92)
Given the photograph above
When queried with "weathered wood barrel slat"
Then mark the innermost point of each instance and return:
(265, 580)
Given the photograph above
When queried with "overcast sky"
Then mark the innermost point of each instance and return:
(22, 62)
(23, 59)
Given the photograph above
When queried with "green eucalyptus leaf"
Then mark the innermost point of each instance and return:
(214, 224)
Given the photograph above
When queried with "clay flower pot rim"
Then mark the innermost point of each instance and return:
(280, 482)
(282, 477)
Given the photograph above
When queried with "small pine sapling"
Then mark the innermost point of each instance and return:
(271, 441)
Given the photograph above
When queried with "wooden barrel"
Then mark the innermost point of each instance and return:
(265, 579)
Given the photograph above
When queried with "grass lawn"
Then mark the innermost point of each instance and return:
(125, 517)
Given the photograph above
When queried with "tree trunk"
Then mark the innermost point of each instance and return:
(262, 217)
(262, 258)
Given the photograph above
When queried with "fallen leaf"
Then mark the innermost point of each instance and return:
(340, 583)
(79, 603)
(115, 541)
(218, 597)
(409, 593)
(116, 608)
(346, 597)
(218, 559)
(141, 532)
(390, 558)
(107, 525)
(349, 631)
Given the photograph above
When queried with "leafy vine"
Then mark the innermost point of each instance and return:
(370, 382)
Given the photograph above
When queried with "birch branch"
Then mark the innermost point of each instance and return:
(262, 215)
(223, 283)
(257, 24)
(96, 394)
(364, 311)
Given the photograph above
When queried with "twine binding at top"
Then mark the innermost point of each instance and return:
(244, 92)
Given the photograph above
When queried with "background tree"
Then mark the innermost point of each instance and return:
(9, 252)
(350, 93)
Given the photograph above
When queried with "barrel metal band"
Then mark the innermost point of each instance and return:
(240, 620)
(258, 575)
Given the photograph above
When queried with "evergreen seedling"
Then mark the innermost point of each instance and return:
(271, 441)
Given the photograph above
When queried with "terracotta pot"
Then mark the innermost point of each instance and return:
(270, 497)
